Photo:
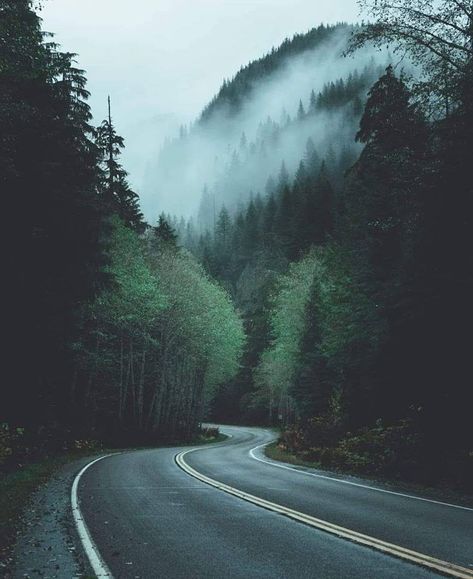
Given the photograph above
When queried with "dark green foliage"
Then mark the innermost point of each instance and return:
(116, 193)
(53, 218)
(110, 333)
(386, 324)
(164, 232)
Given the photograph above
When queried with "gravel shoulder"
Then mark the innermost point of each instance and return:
(47, 545)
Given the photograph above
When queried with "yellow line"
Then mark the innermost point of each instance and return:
(443, 567)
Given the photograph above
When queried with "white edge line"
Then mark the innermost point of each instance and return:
(346, 482)
(426, 561)
(96, 561)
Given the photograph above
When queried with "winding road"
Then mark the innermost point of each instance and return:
(226, 511)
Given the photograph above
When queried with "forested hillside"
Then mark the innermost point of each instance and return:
(113, 333)
(262, 117)
(353, 271)
(235, 92)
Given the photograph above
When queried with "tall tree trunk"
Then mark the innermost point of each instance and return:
(121, 389)
(141, 385)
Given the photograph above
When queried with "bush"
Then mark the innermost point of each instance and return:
(322, 431)
(396, 451)
(310, 439)
(393, 450)
(209, 433)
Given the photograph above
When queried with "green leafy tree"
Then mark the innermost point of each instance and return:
(438, 37)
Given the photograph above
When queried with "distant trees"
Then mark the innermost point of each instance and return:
(233, 92)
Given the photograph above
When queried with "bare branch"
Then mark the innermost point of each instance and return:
(461, 6)
(432, 17)
(440, 39)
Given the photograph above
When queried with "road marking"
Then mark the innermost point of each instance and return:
(426, 561)
(96, 561)
(346, 482)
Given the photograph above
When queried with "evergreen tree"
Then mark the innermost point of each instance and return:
(49, 177)
(164, 232)
(300, 112)
(283, 178)
(114, 187)
(313, 103)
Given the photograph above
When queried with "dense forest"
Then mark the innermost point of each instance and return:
(354, 272)
(306, 89)
(112, 332)
(323, 285)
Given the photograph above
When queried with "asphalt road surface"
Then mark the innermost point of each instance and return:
(149, 519)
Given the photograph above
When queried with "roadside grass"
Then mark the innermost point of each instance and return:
(205, 440)
(17, 485)
(275, 452)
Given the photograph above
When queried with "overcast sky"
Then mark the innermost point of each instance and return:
(163, 60)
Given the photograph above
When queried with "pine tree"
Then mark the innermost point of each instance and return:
(300, 112)
(223, 237)
(312, 160)
(114, 186)
(283, 179)
(49, 177)
(164, 232)
(313, 103)
(251, 234)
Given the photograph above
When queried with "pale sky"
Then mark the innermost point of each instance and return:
(163, 60)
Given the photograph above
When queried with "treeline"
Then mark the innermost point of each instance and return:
(357, 291)
(236, 91)
(111, 331)
(339, 104)
(248, 252)
(231, 154)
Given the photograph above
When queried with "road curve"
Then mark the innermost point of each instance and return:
(150, 519)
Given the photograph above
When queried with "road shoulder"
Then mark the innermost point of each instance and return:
(272, 453)
(47, 544)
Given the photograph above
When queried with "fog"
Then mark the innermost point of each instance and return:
(214, 156)
(163, 60)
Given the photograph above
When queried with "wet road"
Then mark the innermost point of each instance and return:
(150, 519)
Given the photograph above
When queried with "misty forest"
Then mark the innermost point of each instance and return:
(306, 264)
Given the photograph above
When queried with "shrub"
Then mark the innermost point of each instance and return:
(210, 433)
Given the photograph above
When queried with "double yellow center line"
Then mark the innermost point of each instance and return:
(443, 567)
